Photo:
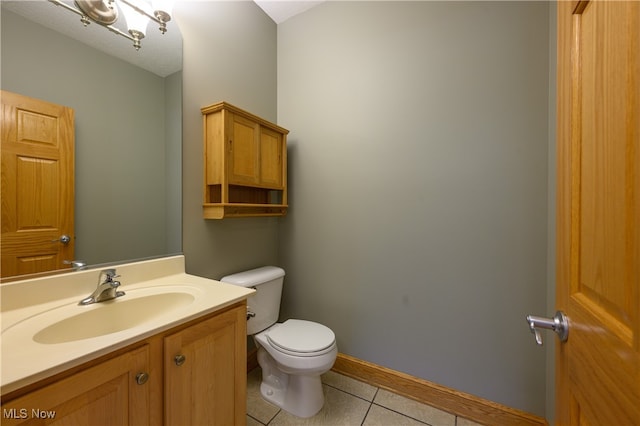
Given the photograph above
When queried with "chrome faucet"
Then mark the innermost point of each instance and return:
(106, 288)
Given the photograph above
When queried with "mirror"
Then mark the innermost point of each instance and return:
(128, 124)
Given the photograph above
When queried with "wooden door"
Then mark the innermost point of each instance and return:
(206, 372)
(598, 368)
(105, 394)
(37, 185)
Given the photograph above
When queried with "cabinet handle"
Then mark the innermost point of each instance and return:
(179, 360)
(141, 378)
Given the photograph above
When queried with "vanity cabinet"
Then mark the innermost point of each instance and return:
(245, 164)
(113, 392)
(205, 378)
(193, 374)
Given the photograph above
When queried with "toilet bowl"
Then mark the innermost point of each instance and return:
(292, 354)
(292, 367)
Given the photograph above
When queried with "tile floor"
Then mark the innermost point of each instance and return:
(349, 402)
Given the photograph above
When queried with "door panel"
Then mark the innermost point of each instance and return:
(599, 212)
(271, 168)
(211, 374)
(244, 146)
(37, 185)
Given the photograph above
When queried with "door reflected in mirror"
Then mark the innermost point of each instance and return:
(128, 135)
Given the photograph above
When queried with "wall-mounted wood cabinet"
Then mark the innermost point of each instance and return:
(245, 164)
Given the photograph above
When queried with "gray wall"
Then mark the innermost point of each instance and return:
(418, 177)
(121, 150)
(173, 161)
(229, 54)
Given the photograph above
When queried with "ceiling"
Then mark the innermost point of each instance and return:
(282, 10)
(160, 53)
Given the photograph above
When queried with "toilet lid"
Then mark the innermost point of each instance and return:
(301, 336)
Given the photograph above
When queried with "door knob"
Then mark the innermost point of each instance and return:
(64, 239)
(559, 324)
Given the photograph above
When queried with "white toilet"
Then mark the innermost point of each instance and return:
(293, 354)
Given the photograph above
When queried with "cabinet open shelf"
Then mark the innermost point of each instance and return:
(243, 201)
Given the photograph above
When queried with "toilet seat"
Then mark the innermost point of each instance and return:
(301, 338)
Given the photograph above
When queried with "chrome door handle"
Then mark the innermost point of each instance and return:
(76, 265)
(64, 239)
(559, 324)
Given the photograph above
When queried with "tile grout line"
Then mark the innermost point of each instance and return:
(249, 415)
(402, 414)
(352, 394)
(364, 419)
(274, 416)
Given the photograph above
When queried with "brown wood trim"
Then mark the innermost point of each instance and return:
(459, 403)
(566, 36)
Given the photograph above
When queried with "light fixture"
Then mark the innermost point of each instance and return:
(137, 14)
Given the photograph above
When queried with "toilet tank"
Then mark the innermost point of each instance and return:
(265, 302)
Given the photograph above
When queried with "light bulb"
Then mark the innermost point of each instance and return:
(136, 21)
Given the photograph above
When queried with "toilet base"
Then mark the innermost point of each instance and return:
(303, 397)
(300, 395)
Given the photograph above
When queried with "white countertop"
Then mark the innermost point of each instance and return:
(25, 361)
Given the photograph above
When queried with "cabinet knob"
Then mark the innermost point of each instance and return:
(141, 378)
(179, 360)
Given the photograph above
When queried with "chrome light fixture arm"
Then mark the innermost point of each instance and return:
(83, 18)
(135, 38)
(160, 17)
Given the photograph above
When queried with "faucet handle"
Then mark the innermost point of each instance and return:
(109, 274)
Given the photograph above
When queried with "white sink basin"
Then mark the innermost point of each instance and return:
(73, 323)
(112, 316)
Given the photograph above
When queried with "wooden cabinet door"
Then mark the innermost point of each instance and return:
(255, 154)
(271, 161)
(598, 286)
(37, 146)
(205, 372)
(243, 151)
(105, 394)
